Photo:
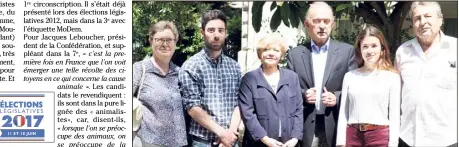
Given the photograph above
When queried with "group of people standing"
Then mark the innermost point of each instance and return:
(330, 94)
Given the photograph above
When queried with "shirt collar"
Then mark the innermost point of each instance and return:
(149, 67)
(207, 56)
(443, 41)
(442, 44)
(323, 49)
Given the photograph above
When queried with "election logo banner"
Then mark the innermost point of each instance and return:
(27, 117)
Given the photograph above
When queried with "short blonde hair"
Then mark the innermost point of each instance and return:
(161, 26)
(271, 41)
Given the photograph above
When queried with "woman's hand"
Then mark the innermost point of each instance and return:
(271, 142)
(291, 143)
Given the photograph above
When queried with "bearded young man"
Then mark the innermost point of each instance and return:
(209, 82)
(428, 68)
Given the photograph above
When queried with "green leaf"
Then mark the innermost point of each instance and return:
(285, 13)
(302, 12)
(275, 20)
(273, 5)
(342, 7)
(301, 3)
(257, 10)
(148, 49)
(257, 6)
(256, 21)
(294, 18)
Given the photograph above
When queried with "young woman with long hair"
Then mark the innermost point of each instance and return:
(370, 103)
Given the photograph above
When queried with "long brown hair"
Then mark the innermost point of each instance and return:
(384, 62)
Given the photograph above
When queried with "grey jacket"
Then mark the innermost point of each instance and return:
(340, 60)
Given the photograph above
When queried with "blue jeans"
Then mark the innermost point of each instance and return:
(198, 142)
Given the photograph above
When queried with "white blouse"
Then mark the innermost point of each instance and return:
(372, 98)
(273, 81)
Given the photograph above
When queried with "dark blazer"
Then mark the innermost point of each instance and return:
(261, 108)
(340, 59)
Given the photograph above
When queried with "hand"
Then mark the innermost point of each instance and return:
(310, 96)
(290, 143)
(271, 142)
(234, 130)
(227, 137)
(328, 98)
(218, 142)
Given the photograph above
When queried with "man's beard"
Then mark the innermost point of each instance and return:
(427, 40)
(214, 47)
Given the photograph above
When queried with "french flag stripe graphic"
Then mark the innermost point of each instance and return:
(19, 120)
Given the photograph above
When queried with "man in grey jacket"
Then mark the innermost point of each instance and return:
(321, 65)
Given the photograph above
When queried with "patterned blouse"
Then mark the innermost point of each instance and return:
(163, 121)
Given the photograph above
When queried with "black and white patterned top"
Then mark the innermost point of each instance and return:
(163, 121)
(211, 86)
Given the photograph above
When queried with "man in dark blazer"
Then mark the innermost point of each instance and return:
(321, 65)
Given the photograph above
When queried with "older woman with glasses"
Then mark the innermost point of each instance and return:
(163, 122)
(270, 99)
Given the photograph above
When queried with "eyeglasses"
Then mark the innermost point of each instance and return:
(162, 40)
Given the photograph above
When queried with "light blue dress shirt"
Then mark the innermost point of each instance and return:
(319, 60)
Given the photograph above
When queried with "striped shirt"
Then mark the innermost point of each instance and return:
(211, 86)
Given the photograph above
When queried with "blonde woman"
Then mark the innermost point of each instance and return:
(270, 99)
